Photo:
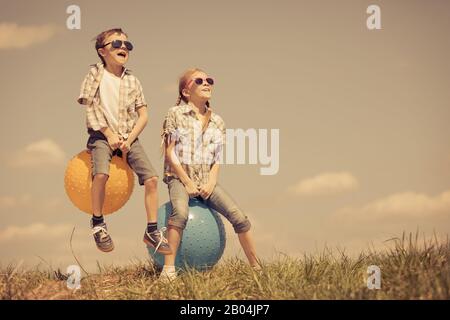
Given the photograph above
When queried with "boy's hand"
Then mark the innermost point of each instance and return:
(125, 146)
(114, 141)
(191, 189)
(206, 189)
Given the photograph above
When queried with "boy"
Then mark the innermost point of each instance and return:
(116, 113)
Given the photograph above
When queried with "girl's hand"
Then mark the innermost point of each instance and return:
(191, 189)
(114, 141)
(125, 146)
(207, 189)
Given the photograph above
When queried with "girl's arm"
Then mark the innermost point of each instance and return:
(214, 173)
(207, 189)
(175, 164)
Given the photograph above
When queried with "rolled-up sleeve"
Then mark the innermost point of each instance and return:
(95, 118)
(85, 96)
(169, 132)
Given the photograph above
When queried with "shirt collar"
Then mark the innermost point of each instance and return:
(100, 66)
(187, 108)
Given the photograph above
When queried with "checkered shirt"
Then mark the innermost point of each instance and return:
(131, 97)
(196, 151)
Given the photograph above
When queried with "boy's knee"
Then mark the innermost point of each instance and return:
(101, 177)
(151, 184)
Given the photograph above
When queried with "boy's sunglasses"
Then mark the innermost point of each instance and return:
(116, 44)
(199, 81)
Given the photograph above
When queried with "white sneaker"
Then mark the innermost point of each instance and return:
(168, 274)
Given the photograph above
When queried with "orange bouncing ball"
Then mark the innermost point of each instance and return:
(78, 183)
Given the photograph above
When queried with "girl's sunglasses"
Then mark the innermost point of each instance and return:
(116, 44)
(199, 81)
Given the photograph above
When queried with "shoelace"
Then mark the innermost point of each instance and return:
(162, 238)
(102, 230)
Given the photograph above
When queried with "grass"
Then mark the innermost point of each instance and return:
(410, 269)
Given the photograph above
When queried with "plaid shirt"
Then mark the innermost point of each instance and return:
(131, 98)
(197, 151)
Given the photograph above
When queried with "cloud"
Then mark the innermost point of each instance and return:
(325, 184)
(25, 206)
(8, 202)
(13, 36)
(37, 154)
(33, 231)
(400, 205)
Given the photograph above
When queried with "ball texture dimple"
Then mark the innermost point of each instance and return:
(203, 241)
(78, 183)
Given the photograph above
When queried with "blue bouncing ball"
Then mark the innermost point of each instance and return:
(203, 240)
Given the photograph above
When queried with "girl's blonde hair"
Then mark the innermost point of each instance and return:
(182, 82)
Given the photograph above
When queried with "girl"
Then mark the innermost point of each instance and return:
(193, 136)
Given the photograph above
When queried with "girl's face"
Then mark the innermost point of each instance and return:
(199, 86)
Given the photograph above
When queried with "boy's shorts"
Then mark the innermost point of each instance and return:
(101, 154)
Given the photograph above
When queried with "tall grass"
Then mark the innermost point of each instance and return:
(410, 269)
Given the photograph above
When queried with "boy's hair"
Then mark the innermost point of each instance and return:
(183, 80)
(100, 38)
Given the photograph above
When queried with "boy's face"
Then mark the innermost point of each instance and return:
(112, 55)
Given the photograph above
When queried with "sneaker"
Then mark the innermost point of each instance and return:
(168, 275)
(157, 240)
(102, 238)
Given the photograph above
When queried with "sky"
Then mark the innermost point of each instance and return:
(363, 119)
